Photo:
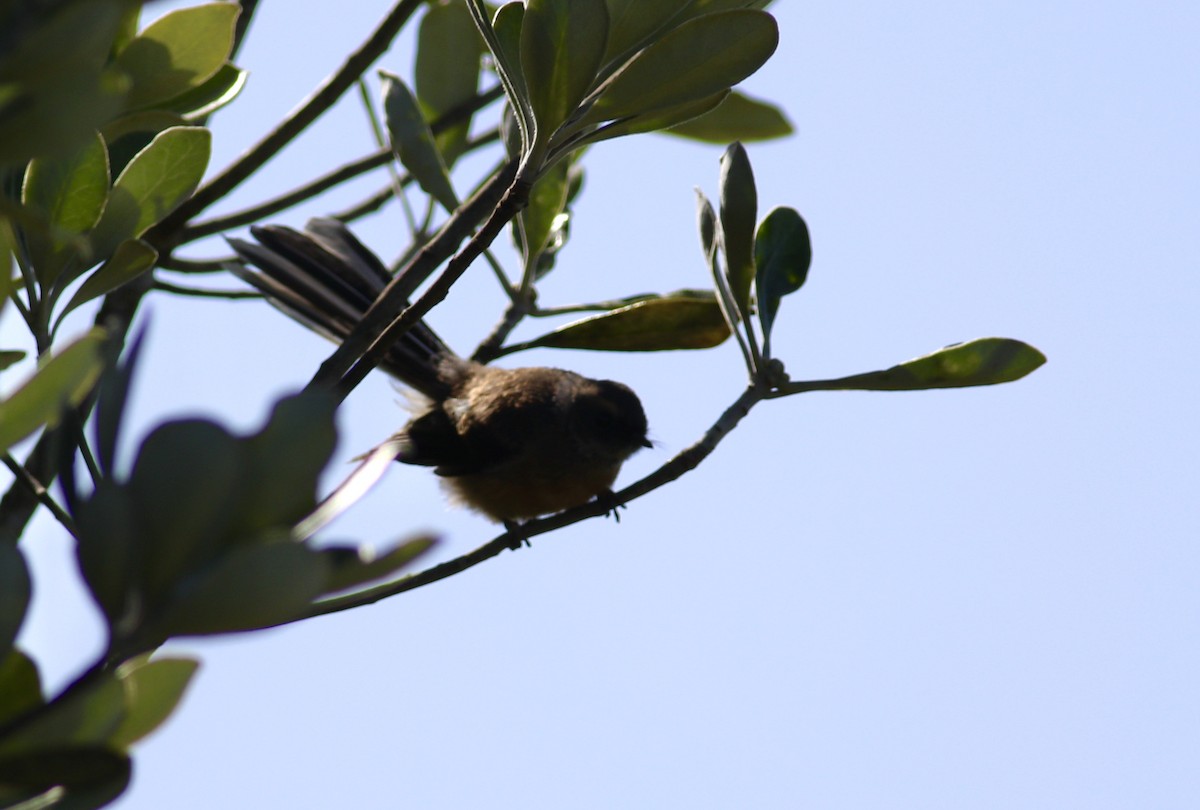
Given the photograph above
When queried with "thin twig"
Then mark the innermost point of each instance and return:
(35, 488)
(196, 292)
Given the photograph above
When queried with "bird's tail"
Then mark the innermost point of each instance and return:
(326, 279)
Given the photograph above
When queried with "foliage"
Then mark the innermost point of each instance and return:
(104, 143)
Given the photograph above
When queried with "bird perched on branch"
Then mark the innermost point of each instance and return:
(509, 443)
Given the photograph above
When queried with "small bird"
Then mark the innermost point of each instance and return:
(511, 444)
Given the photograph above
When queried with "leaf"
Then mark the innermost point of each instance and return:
(106, 524)
(178, 52)
(20, 685)
(56, 91)
(351, 567)
(284, 462)
(10, 357)
(562, 47)
(739, 212)
(507, 28)
(983, 361)
(64, 380)
(693, 61)
(131, 258)
(155, 182)
(69, 192)
(152, 691)
(111, 396)
(446, 74)
(633, 23)
(413, 143)
(547, 199)
(680, 321)
(737, 118)
(87, 716)
(782, 255)
(187, 479)
(653, 121)
(218, 90)
(250, 587)
(15, 589)
(66, 777)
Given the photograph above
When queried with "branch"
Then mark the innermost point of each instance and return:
(394, 298)
(682, 463)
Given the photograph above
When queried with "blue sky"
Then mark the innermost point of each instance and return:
(977, 598)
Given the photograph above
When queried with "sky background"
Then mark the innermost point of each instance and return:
(984, 598)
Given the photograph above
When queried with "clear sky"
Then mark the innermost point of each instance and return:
(983, 598)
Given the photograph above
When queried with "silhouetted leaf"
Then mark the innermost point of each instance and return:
(20, 685)
(782, 255)
(248, 588)
(81, 717)
(653, 121)
(351, 567)
(65, 777)
(106, 552)
(14, 594)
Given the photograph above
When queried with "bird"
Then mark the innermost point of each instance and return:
(509, 443)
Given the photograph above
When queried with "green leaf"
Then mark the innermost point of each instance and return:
(14, 594)
(737, 118)
(633, 23)
(178, 52)
(64, 380)
(653, 121)
(413, 143)
(155, 182)
(507, 26)
(547, 199)
(739, 212)
(111, 396)
(446, 74)
(69, 193)
(54, 89)
(131, 258)
(86, 716)
(10, 357)
(679, 321)
(152, 691)
(353, 566)
(983, 361)
(20, 685)
(562, 48)
(693, 61)
(250, 587)
(782, 255)
(65, 778)
(200, 102)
